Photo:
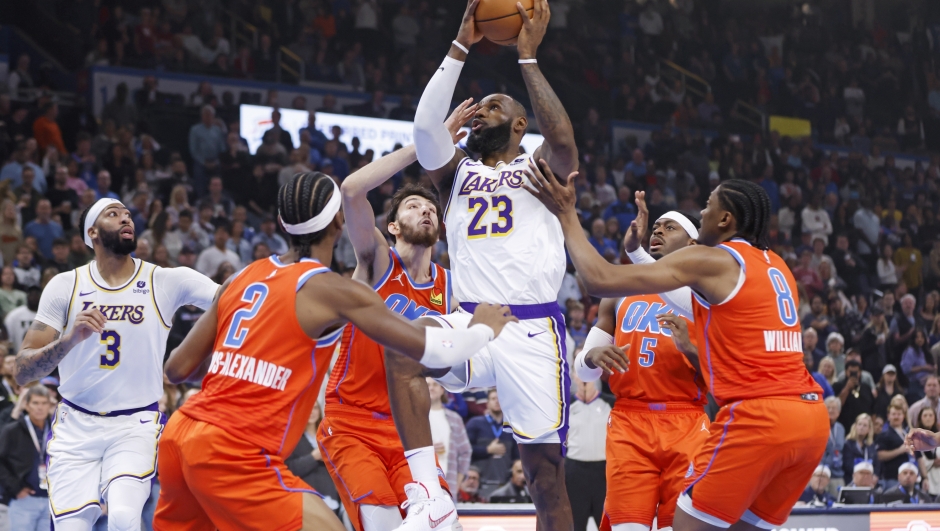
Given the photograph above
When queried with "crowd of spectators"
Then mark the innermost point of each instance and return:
(858, 228)
(862, 79)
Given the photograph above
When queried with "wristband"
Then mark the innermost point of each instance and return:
(446, 347)
(527, 61)
(461, 46)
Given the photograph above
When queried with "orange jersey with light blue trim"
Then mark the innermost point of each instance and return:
(751, 344)
(358, 377)
(658, 371)
(265, 371)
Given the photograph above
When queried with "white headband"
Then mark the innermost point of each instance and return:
(93, 214)
(682, 220)
(321, 220)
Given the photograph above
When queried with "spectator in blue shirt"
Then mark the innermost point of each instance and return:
(318, 140)
(13, 171)
(104, 186)
(206, 143)
(637, 166)
(817, 493)
(604, 245)
(624, 209)
(578, 328)
(810, 362)
(44, 229)
(767, 182)
(494, 450)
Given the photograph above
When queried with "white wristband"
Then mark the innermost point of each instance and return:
(461, 47)
(527, 61)
(446, 347)
(595, 338)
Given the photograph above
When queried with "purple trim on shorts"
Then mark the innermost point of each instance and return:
(524, 311)
(119, 413)
(558, 321)
(281, 480)
(721, 441)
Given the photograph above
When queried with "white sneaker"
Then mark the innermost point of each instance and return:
(426, 513)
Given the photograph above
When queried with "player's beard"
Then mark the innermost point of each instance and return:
(490, 139)
(113, 242)
(418, 236)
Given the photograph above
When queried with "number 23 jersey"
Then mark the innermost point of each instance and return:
(504, 245)
(122, 367)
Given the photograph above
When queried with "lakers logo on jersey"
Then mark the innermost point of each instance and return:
(119, 312)
(437, 298)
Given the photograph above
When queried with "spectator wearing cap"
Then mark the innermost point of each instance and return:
(835, 349)
(855, 395)
(888, 388)
(817, 492)
(832, 458)
(863, 475)
(916, 366)
(23, 462)
(907, 489)
(931, 400)
(892, 451)
(267, 236)
(860, 445)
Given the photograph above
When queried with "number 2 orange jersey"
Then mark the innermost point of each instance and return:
(658, 371)
(358, 377)
(751, 344)
(265, 371)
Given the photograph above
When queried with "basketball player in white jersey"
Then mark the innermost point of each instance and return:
(506, 248)
(105, 325)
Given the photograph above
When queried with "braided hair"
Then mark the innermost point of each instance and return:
(300, 200)
(750, 206)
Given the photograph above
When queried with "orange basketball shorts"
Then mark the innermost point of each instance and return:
(757, 460)
(649, 453)
(212, 480)
(365, 458)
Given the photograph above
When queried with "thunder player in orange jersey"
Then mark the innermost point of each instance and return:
(222, 455)
(750, 472)
(658, 421)
(363, 452)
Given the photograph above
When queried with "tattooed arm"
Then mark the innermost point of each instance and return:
(558, 149)
(43, 349)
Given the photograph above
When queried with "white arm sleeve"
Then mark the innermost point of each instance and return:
(680, 299)
(180, 286)
(433, 142)
(446, 347)
(595, 338)
(54, 302)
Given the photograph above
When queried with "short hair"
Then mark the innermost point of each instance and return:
(209, 108)
(895, 406)
(185, 214)
(36, 390)
(833, 401)
(60, 241)
(407, 191)
(223, 224)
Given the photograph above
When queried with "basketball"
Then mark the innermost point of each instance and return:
(499, 20)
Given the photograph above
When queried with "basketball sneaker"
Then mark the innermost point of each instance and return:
(426, 513)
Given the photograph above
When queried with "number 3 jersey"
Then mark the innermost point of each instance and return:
(751, 345)
(122, 367)
(504, 245)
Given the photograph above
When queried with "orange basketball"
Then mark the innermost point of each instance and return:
(499, 20)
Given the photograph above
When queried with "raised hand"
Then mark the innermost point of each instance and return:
(494, 316)
(533, 30)
(559, 198)
(608, 358)
(468, 34)
(461, 114)
(636, 233)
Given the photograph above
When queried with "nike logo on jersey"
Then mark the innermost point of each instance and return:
(535, 334)
(271, 275)
(435, 523)
(86, 294)
(144, 421)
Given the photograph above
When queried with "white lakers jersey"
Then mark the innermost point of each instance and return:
(504, 245)
(122, 367)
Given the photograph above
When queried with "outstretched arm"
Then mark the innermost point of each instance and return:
(369, 243)
(704, 269)
(559, 148)
(436, 152)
